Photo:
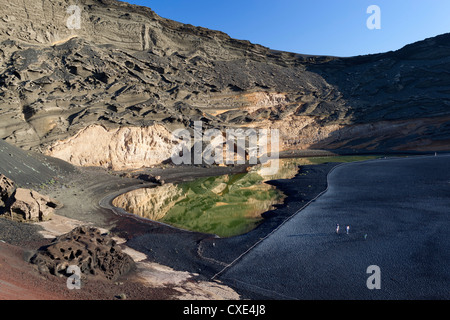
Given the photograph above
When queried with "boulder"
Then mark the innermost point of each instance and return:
(30, 206)
(7, 189)
(24, 205)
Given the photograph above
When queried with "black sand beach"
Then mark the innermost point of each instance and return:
(398, 213)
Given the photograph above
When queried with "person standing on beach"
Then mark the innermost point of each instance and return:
(337, 228)
(348, 229)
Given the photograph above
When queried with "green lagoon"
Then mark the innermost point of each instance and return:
(226, 205)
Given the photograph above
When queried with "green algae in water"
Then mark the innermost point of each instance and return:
(225, 206)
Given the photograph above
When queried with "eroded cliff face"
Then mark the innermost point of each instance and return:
(126, 67)
(126, 26)
(150, 203)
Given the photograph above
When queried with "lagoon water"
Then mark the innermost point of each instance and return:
(226, 205)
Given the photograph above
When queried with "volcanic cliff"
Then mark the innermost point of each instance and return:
(111, 92)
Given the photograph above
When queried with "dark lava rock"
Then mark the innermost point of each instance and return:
(94, 253)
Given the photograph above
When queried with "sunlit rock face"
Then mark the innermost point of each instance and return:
(24, 205)
(122, 148)
(150, 203)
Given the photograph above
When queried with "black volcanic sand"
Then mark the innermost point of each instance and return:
(398, 213)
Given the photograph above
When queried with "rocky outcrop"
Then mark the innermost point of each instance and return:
(30, 206)
(117, 149)
(94, 253)
(24, 205)
(7, 189)
(150, 203)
